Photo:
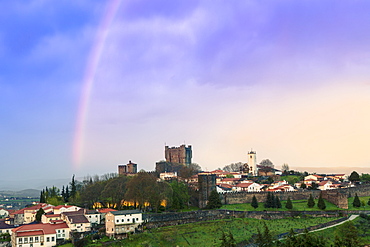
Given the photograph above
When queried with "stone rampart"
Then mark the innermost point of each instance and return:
(337, 197)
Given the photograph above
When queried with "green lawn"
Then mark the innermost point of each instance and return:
(209, 233)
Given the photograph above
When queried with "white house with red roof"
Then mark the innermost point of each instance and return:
(77, 221)
(28, 215)
(326, 185)
(47, 218)
(65, 208)
(36, 235)
(249, 187)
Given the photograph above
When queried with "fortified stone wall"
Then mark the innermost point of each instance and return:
(246, 197)
(337, 197)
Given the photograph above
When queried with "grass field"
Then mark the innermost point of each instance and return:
(209, 233)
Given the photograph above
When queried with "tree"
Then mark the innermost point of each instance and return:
(356, 202)
(277, 202)
(303, 186)
(254, 203)
(267, 163)
(227, 240)
(265, 238)
(321, 203)
(311, 202)
(180, 195)
(313, 186)
(365, 177)
(347, 235)
(39, 214)
(73, 187)
(214, 200)
(233, 167)
(285, 169)
(368, 202)
(139, 189)
(269, 200)
(114, 191)
(289, 204)
(354, 177)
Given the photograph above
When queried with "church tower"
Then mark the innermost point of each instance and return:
(252, 162)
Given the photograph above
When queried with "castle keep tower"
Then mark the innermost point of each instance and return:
(130, 168)
(252, 162)
(206, 183)
(181, 155)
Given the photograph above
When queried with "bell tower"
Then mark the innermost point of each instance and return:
(252, 162)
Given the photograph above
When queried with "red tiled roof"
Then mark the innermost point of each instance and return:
(225, 186)
(106, 210)
(52, 215)
(40, 229)
(30, 233)
(243, 185)
(230, 179)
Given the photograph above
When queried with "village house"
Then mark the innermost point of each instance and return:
(65, 208)
(47, 218)
(76, 221)
(119, 223)
(5, 228)
(93, 216)
(4, 213)
(36, 235)
(28, 215)
(249, 187)
(103, 212)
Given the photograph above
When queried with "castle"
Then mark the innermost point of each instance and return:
(130, 168)
(181, 155)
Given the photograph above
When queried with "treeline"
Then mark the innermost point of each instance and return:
(143, 191)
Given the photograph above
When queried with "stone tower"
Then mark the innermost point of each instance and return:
(181, 155)
(206, 183)
(130, 168)
(252, 162)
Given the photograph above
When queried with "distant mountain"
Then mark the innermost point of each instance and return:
(21, 193)
(36, 184)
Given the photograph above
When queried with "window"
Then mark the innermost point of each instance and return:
(58, 231)
(31, 239)
(123, 220)
(52, 239)
(25, 240)
(128, 220)
(48, 239)
(36, 239)
(117, 221)
(137, 219)
(20, 240)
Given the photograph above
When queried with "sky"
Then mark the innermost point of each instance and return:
(87, 85)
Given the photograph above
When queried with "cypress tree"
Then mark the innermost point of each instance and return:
(214, 200)
(310, 202)
(321, 203)
(368, 202)
(268, 201)
(356, 202)
(289, 204)
(254, 203)
(277, 202)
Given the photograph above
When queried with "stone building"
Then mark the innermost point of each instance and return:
(206, 183)
(181, 155)
(130, 168)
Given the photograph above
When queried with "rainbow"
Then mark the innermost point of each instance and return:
(88, 79)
